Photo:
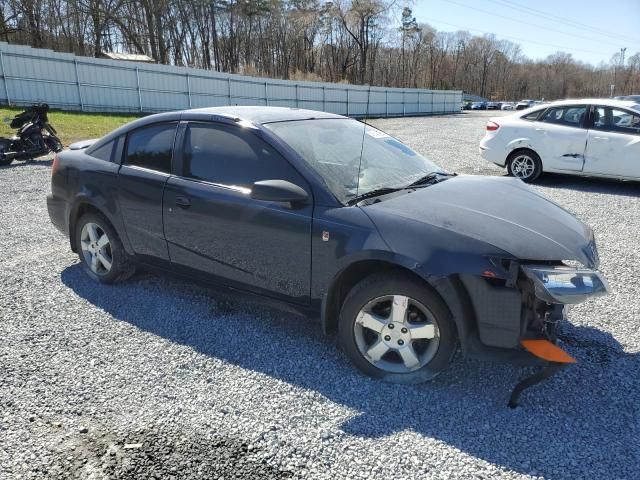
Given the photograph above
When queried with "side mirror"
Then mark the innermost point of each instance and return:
(278, 191)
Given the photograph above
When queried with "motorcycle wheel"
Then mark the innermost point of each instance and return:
(4, 161)
(54, 144)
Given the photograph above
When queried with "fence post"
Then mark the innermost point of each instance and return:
(386, 102)
(138, 87)
(75, 64)
(404, 102)
(368, 101)
(266, 96)
(188, 87)
(229, 90)
(347, 101)
(324, 100)
(297, 96)
(4, 77)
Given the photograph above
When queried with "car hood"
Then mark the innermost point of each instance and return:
(499, 211)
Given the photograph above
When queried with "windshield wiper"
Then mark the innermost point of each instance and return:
(431, 177)
(373, 193)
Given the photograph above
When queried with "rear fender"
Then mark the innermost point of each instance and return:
(519, 143)
(95, 201)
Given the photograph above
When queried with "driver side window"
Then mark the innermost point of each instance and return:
(227, 156)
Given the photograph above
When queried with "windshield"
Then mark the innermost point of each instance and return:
(333, 147)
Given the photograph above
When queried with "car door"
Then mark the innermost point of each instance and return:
(146, 167)
(213, 226)
(561, 137)
(613, 144)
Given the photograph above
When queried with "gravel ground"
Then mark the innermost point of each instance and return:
(158, 378)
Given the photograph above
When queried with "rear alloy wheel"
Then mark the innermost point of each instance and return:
(100, 250)
(395, 328)
(96, 249)
(525, 165)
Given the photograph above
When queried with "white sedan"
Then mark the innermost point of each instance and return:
(595, 137)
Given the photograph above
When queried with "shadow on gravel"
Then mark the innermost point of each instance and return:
(591, 185)
(583, 420)
(23, 163)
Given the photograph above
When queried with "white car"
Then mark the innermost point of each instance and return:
(507, 106)
(594, 137)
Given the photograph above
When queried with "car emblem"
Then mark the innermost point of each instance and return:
(325, 236)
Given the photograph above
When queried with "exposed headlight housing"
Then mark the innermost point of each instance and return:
(564, 284)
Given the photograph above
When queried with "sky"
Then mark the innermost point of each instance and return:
(591, 30)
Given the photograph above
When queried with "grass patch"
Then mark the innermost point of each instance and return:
(72, 126)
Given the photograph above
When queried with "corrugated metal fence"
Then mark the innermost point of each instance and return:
(70, 82)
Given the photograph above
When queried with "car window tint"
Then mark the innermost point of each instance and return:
(532, 115)
(615, 120)
(104, 152)
(151, 147)
(228, 156)
(571, 116)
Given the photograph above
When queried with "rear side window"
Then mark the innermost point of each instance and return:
(151, 147)
(533, 115)
(231, 157)
(570, 116)
(104, 152)
(609, 119)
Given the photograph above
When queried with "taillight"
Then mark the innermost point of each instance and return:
(55, 165)
(492, 126)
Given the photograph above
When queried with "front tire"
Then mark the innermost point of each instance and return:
(4, 161)
(525, 165)
(101, 252)
(395, 328)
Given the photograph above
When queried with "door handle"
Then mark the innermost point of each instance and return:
(183, 202)
(601, 138)
(541, 129)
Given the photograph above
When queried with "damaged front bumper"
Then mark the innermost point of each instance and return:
(521, 310)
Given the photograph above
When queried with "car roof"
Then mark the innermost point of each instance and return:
(260, 114)
(606, 102)
(252, 115)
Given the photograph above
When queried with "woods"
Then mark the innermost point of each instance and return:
(375, 42)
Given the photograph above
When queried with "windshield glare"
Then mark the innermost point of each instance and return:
(333, 147)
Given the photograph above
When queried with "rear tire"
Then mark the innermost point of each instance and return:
(101, 252)
(525, 165)
(395, 328)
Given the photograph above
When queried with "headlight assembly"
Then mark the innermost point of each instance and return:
(564, 284)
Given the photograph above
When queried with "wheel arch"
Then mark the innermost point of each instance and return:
(449, 289)
(83, 205)
(518, 148)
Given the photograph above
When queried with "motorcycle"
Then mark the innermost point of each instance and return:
(35, 136)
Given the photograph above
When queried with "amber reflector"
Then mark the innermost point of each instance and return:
(546, 350)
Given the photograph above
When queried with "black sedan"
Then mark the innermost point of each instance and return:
(336, 219)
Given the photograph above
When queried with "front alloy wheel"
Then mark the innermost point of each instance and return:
(393, 326)
(396, 334)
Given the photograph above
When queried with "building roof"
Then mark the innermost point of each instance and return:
(129, 57)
